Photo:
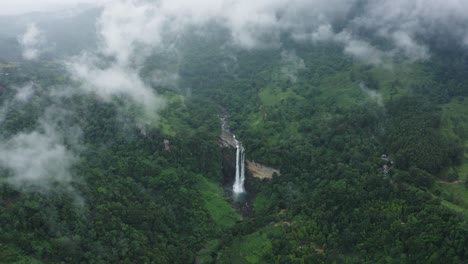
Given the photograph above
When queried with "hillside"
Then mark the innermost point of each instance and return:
(123, 147)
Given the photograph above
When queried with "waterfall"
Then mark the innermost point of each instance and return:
(238, 186)
(229, 140)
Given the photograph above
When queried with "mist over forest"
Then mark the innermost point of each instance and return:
(234, 131)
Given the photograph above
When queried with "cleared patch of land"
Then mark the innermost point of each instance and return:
(260, 171)
(217, 205)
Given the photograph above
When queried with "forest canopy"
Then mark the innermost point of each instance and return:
(111, 116)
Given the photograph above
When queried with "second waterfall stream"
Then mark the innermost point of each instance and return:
(238, 186)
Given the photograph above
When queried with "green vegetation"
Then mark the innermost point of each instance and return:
(208, 253)
(217, 205)
(251, 248)
(261, 203)
(153, 193)
(456, 194)
(454, 120)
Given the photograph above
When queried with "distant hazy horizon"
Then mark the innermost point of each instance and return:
(18, 7)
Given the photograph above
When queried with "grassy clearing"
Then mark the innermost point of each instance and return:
(455, 196)
(273, 99)
(397, 81)
(455, 208)
(339, 90)
(271, 96)
(249, 249)
(170, 119)
(455, 119)
(217, 204)
(455, 193)
(454, 125)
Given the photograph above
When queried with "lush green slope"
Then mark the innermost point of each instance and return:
(325, 130)
(131, 200)
(327, 134)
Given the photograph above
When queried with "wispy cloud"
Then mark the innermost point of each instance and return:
(405, 26)
(128, 33)
(40, 160)
(129, 29)
(291, 65)
(26, 6)
(31, 42)
(41, 155)
(24, 93)
(372, 94)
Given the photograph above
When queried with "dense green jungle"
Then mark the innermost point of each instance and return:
(373, 159)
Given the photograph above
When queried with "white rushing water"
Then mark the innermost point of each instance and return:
(238, 186)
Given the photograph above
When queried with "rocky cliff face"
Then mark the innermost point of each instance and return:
(227, 139)
(228, 143)
(229, 166)
(261, 171)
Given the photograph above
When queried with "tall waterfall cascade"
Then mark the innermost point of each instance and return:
(238, 186)
(228, 140)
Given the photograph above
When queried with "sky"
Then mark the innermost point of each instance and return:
(15, 7)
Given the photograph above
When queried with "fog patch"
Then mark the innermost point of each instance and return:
(128, 32)
(24, 93)
(40, 158)
(37, 160)
(3, 112)
(409, 47)
(164, 78)
(115, 81)
(372, 94)
(129, 29)
(291, 65)
(31, 42)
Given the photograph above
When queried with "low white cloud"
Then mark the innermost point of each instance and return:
(352, 45)
(408, 25)
(31, 42)
(3, 112)
(128, 32)
(291, 65)
(37, 160)
(40, 157)
(409, 47)
(24, 93)
(129, 29)
(16, 7)
(164, 78)
(113, 81)
(360, 49)
(372, 94)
